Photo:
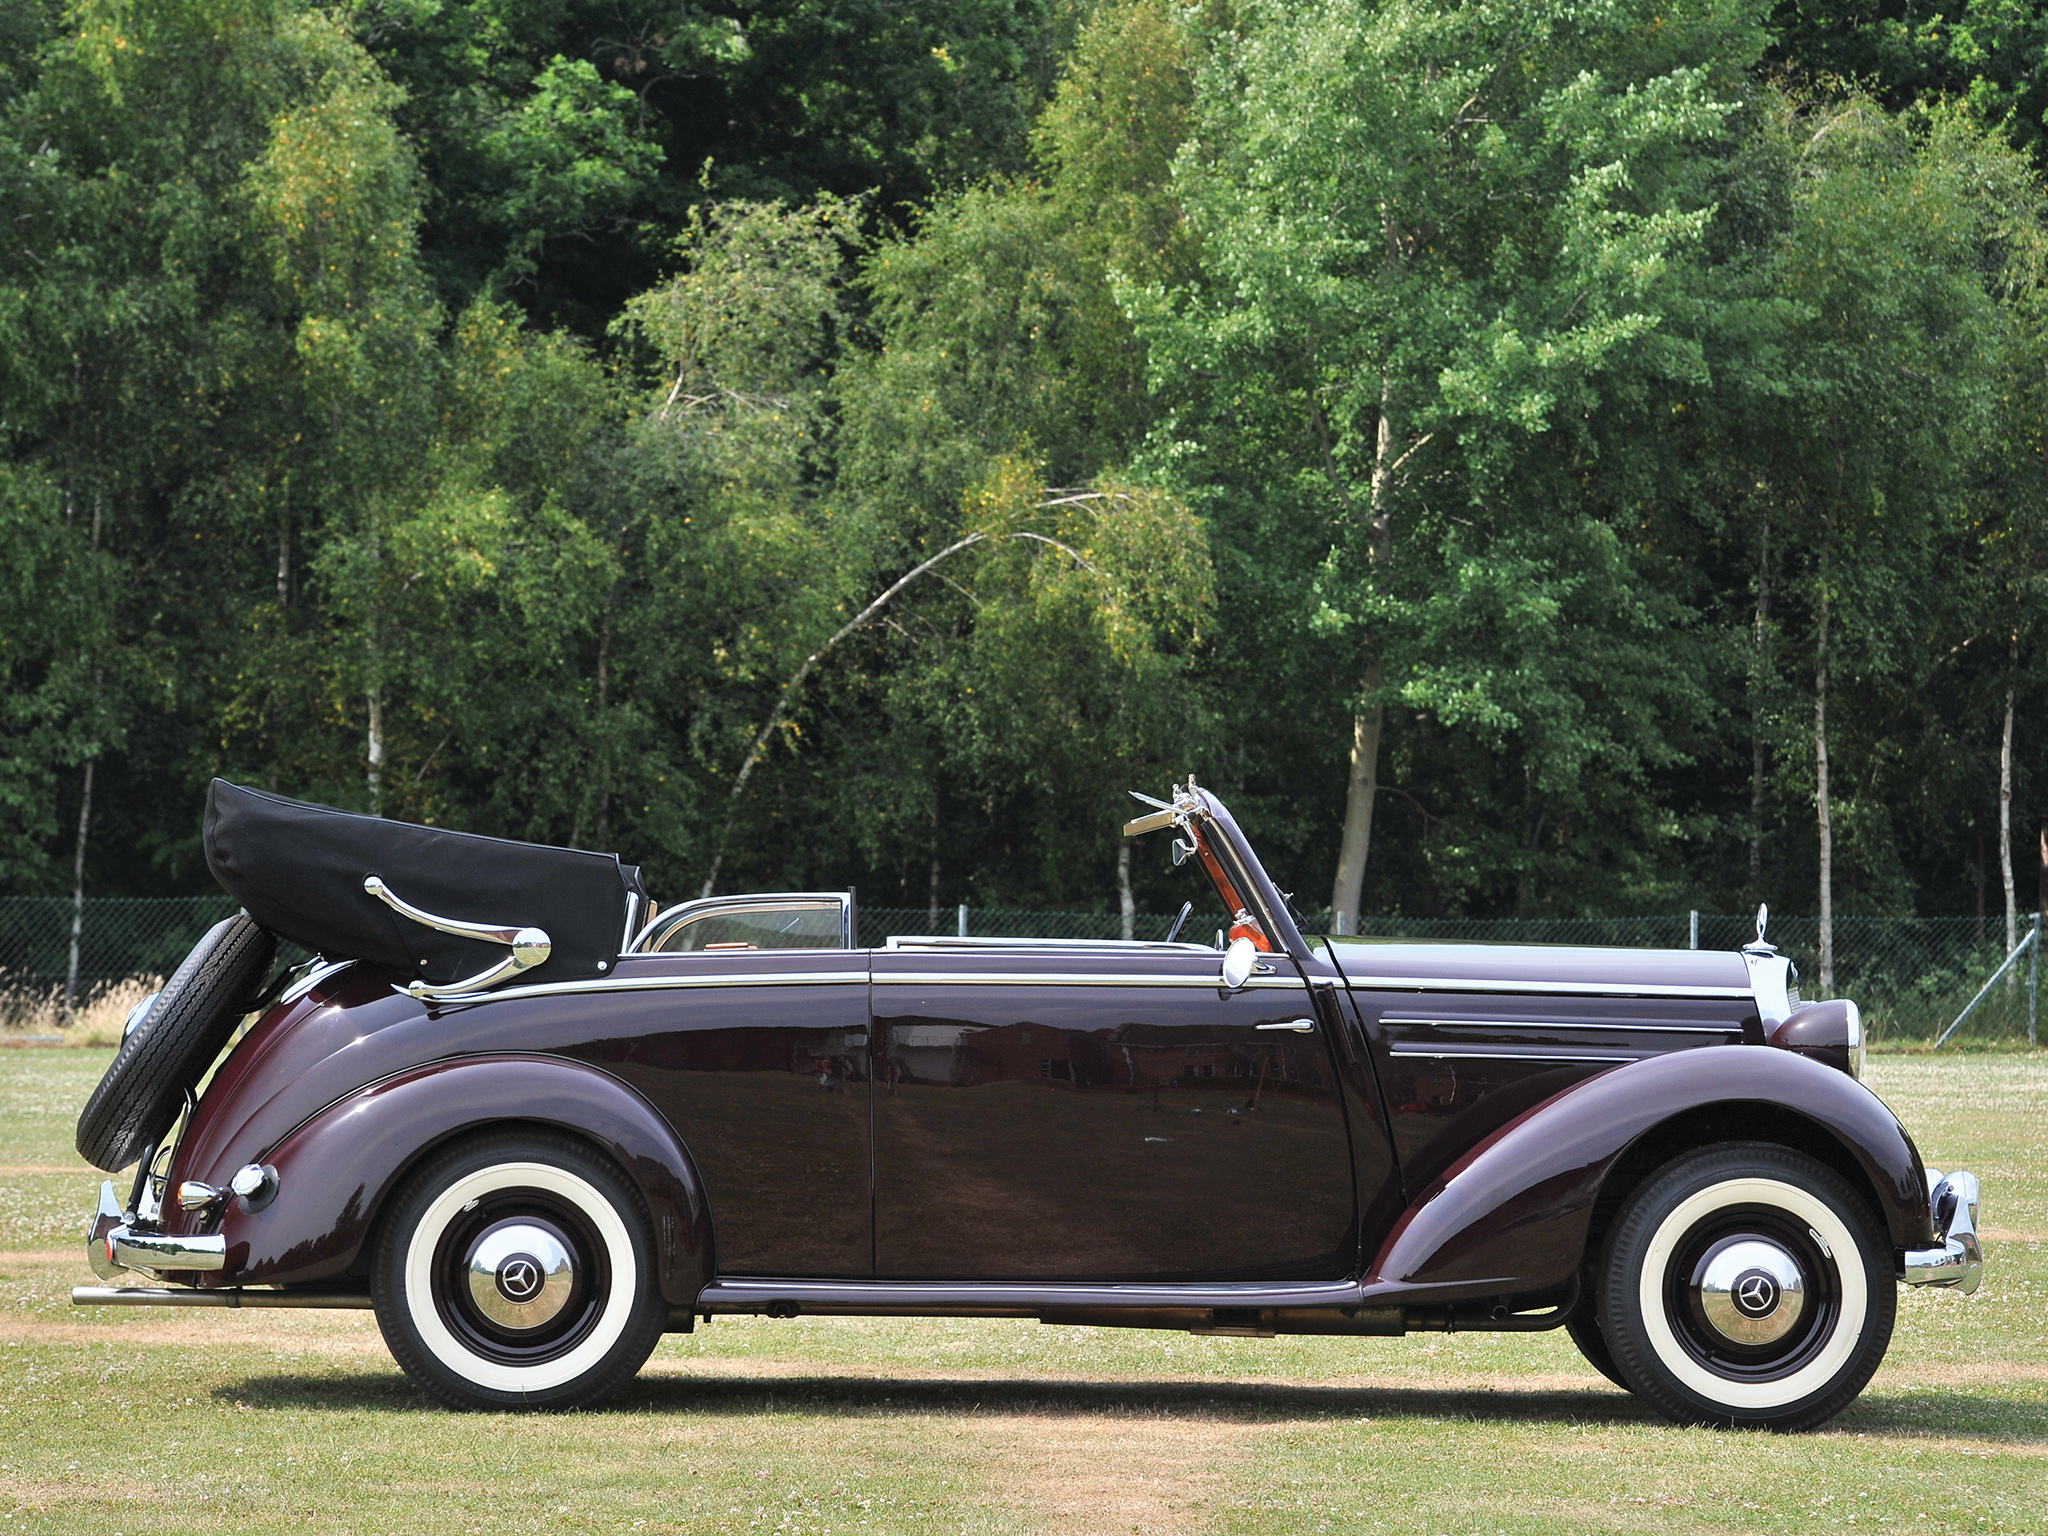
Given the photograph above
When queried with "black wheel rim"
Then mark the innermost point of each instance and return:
(1727, 1300)
(510, 1229)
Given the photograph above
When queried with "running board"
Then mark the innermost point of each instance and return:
(947, 1298)
(1258, 1309)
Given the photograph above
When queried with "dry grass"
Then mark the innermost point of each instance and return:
(95, 1019)
(131, 1421)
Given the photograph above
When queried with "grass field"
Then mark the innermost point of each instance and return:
(116, 1421)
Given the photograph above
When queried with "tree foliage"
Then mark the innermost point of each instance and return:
(801, 444)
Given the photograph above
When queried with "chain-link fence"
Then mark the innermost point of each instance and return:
(1911, 975)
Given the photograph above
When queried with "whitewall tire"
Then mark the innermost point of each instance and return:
(1749, 1285)
(517, 1271)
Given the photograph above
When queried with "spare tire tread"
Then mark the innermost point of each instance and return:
(138, 1098)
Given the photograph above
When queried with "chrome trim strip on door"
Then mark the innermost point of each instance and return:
(1538, 988)
(1453, 1053)
(923, 1297)
(930, 943)
(1069, 979)
(1647, 1029)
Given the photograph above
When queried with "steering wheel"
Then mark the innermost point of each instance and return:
(1179, 922)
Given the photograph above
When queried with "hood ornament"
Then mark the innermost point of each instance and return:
(1761, 945)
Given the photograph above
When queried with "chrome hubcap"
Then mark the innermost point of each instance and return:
(1751, 1291)
(520, 1275)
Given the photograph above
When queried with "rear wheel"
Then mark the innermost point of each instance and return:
(1748, 1285)
(1584, 1327)
(517, 1271)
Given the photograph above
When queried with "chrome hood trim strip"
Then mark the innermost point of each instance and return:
(1538, 988)
(1567, 1024)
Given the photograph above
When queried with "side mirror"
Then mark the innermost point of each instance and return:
(1237, 964)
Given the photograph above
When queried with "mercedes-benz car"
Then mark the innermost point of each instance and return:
(535, 1121)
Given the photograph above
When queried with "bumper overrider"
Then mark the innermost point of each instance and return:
(1957, 1259)
(114, 1246)
(117, 1241)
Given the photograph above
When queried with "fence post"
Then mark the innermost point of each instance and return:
(2033, 940)
(1695, 928)
(2034, 986)
(963, 919)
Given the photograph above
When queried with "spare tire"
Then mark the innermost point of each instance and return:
(137, 1101)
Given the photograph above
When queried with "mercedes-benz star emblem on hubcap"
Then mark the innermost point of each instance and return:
(519, 1278)
(1750, 1291)
(1756, 1293)
(520, 1275)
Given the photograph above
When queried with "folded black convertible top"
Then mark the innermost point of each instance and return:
(298, 869)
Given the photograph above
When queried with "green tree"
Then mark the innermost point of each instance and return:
(1991, 55)
(1452, 259)
(564, 141)
(1883, 420)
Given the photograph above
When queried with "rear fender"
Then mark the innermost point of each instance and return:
(1513, 1214)
(335, 1171)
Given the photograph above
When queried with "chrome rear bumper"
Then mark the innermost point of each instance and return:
(1957, 1260)
(114, 1248)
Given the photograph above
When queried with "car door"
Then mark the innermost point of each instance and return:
(759, 1059)
(1103, 1112)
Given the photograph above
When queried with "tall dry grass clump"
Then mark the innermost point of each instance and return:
(95, 1019)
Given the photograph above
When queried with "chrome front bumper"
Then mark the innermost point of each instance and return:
(1957, 1260)
(115, 1248)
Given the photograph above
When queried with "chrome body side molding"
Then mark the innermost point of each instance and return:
(928, 941)
(1485, 1053)
(1075, 979)
(662, 984)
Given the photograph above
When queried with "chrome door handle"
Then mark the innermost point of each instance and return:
(1297, 1026)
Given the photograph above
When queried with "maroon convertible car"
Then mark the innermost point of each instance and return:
(535, 1122)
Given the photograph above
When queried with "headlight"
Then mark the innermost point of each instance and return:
(1830, 1032)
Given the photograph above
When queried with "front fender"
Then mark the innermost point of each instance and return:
(1512, 1214)
(335, 1171)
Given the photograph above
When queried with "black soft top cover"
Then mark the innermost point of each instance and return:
(298, 869)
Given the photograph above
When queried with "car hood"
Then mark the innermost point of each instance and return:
(1410, 964)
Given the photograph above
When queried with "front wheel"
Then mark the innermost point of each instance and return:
(517, 1271)
(1748, 1285)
